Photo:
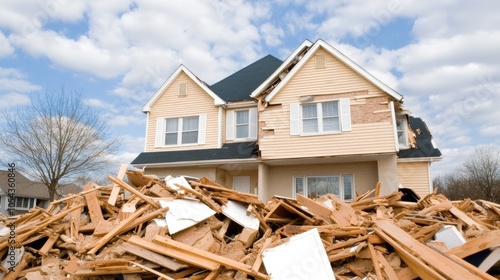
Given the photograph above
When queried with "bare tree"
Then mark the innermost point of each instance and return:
(477, 178)
(57, 136)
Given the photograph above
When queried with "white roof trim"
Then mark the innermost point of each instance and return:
(347, 61)
(171, 79)
(420, 159)
(286, 63)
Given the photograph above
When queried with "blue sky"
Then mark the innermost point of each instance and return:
(444, 57)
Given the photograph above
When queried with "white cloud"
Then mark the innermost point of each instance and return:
(5, 46)
(98, 103)
(13, 80)
(13, 99)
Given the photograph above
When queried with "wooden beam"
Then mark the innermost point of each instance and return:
(93, 205)
(134, 191)
(116, 189)
(485, 241)
(229, 263)
(153, 257)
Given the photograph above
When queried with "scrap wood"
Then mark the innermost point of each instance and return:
(435, 262)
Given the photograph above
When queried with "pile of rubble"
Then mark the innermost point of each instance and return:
(175, 228)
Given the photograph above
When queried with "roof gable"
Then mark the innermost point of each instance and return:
(240, 85)
(172, 78)
(337, 54)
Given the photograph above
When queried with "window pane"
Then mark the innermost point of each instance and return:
(309, 111)
(330, 109)
(299, 185)
(242, 117)
(190, 124)
(171, 138)
(310, 126)
(19, 202)
(190, 137)
(25, 202)
(241, 131)
(172, 125)
(32, 202)
(331, 124)
(348, 189)
(318, 186)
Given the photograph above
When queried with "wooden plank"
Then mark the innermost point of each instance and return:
(74, 224)
(25, 260)
(94, 247)
(375, 262)
(48, 244)
(116, 188)
(386, 267)
(134, 191)
(317, 208)
(162, 276)
(198, 261)
(93, 204)
(485, 241)
(465, 218)
(436, 261)
(229, 263)
(153, 257)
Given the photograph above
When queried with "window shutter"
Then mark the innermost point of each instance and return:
(160, 132)
(202, 123)
(252, 123)
(294, 119)
(345, 114)
(230, 128)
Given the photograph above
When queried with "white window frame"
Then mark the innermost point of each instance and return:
(404, 131)
(296, 117)
(231, 125)
(30, 201)
(161, 131)
(341, 178)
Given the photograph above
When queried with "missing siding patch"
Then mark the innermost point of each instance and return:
(182, 90)
(320, 61)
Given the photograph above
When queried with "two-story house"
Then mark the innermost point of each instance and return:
(315, 123)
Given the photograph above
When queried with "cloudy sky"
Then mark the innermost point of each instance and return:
(444, 57)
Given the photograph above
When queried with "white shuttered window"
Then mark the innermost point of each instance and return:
(320, 118)
(180, 131)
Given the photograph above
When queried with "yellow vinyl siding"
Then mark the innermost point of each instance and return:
(170, 105)
(414, 175)
(280, 181)
(195, 171)
(372, 129)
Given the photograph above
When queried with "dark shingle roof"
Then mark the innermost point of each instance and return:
(241, 84)
(241, 150)
(23, 186)
(425, 147)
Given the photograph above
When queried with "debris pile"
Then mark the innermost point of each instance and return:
(175, 228)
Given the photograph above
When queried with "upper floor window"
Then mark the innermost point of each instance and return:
(180, 131)
(402, 132)
(316, 186)
(241, 124)
(320, 117)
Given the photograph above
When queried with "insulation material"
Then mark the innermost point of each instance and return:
(302, 257)
(184, 213)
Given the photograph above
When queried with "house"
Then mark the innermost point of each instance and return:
(314, 123)
(27, 194)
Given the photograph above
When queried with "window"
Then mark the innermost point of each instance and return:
(180, 131)
(25, 203)
(320, 118)
(402, 131)
(316, 186)
(241, 124)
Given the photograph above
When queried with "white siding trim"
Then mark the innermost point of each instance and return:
(160, 132)
(202, 128)
(345, 114)
(230, 123)
(146, 135)
(394, 126)
(252, 112)
(219, 127)
(294, 119)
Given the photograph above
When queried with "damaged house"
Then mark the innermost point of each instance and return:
(313, 124)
